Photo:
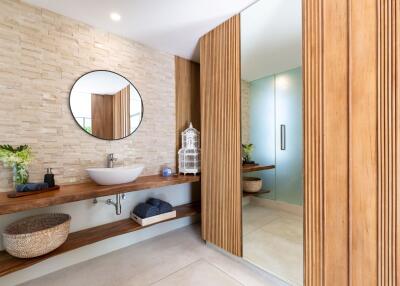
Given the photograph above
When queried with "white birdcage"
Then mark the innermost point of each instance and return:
(189, 154)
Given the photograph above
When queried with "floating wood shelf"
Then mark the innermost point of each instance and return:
(262, 192)
(253, 168)
(84, 191)
(9, 264)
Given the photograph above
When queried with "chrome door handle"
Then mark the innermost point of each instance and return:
(283, 137)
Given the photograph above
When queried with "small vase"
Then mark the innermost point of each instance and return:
(20, 174)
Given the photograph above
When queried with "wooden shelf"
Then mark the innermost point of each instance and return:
(262, 192)
(9, 264)
(84, 191)
(254, 168)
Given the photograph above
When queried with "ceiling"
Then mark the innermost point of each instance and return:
(100, 82)
(270, 38)
(172, 26)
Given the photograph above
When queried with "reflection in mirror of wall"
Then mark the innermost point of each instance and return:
(271, 95)
(106, 105)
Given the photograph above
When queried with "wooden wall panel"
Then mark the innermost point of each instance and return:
(313, 143)
(335, 109)
(187, 100)
(220, 126)
(325, 64)
(388, 142)
(363, 143)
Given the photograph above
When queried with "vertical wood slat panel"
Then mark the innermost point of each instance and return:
(396, 199)
(368, 185)
(187, 96)
(326, 138)
(388, 142)
(363, 143)
(336, 141)
(220, 125)
(313, 145)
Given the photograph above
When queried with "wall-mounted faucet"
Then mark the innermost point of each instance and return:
(117, 204)
(110, 160)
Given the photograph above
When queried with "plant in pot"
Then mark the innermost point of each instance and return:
(18, 159)
(247, 151)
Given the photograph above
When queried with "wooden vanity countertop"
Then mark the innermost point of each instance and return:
(84, 191)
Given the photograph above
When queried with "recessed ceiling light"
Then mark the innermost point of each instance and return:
(115, 16)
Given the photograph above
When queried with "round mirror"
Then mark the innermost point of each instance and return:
(106, 105)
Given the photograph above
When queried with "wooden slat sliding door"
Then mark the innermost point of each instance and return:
(374, 145)
(220, 126)
(351, 127)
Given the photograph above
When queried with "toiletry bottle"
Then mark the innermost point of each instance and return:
(49, 178)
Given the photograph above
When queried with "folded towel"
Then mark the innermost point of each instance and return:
(144, 210)
(31, 187)
(154, 202)
(163, 207)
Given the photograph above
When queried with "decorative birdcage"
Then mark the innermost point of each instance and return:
(189, 154)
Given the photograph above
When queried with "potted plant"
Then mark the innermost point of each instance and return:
(247, 151)
(18, 159)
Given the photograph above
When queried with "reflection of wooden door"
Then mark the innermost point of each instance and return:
(121, 113)
(102, 116)
(111, 115)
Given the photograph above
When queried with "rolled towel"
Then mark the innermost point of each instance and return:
(31, 187)
(163, 206)
(144, 210)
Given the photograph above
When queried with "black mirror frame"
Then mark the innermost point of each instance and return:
(141, 100)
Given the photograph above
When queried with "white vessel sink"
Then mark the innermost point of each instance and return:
(115, 176)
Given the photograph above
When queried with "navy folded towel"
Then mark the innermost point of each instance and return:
(144, 210)
(31, 187)
(154, 202)
(163, 207)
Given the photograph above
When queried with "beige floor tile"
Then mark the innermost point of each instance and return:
(254, 217)
(153, 260)
(199, 273)
(277, 246)
(289, 228)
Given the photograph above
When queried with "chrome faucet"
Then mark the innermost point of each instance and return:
(110, 160)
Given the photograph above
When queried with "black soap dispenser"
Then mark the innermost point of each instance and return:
(49, 178)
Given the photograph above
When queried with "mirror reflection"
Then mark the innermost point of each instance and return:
(272, 137)
(106, 105)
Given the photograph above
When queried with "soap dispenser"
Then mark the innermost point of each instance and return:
(49, 178)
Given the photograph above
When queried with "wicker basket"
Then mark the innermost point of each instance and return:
(36, 235)
(251, 184)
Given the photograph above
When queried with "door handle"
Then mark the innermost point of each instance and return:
(283, 137)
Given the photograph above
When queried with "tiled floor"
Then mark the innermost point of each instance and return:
(273, 240)
(178, 258)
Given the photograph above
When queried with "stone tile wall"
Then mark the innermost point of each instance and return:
(42, 54)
